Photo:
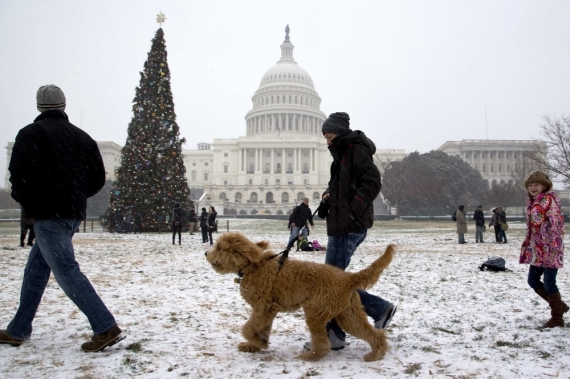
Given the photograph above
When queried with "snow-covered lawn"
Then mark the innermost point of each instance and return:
(183, 320)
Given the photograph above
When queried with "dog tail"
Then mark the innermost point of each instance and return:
(369, 276)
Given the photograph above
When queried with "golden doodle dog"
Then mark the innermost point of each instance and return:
(323, 291)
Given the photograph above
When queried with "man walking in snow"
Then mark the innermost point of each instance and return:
(54, 168)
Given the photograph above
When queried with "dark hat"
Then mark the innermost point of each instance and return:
(337, 123)
(177, 205)
(50, 97)
(479, 206)
(540, 178)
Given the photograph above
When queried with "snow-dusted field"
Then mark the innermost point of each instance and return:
(183, 320)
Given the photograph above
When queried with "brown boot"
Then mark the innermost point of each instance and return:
(7, 339)
(556, 311)
(542, 293)
(101, 341)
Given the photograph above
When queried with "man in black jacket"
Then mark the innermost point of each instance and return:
(479, 218)
(348, 209)
(54, 168)
(300, 216)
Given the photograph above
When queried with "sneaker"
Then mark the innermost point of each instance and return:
(101, 341)
(336, 343)
(384, 321)
(7, 339)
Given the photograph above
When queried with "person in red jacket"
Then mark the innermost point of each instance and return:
(543, 246)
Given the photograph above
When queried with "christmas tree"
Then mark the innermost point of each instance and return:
(151, 177)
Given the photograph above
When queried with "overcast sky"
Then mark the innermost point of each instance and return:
(411, 74)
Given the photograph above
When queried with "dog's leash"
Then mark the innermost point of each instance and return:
(285, 253)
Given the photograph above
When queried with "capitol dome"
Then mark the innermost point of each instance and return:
(286, 102)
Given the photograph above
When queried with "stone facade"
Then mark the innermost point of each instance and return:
(498, 161)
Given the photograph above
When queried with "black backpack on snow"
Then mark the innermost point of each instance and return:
(454, 216)
(494, 263)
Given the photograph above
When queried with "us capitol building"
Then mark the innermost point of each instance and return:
(283, 156)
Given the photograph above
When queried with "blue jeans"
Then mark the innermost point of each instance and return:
(461, 237)
(534, 274)
(53, 251)
(339, 252)
(295, 231)
(479, 233)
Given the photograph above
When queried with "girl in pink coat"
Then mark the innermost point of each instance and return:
(543, 246)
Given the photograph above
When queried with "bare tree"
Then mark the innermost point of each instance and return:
(556, 141)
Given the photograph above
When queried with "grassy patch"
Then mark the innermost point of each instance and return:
(412, 367)
(447, 331)
(515, 345)
(134, 347)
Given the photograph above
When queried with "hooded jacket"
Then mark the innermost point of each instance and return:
(354, 184)
(54, 168)
(544, 242)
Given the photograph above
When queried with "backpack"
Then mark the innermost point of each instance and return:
(306, 246)
(317, 245)
(454, 216)
(494, 263)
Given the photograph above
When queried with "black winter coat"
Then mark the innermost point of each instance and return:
(302, 214)
(54, 168)
(192, 216)
(479, 218)
(355, 183)
(204, 219)
(178, 215)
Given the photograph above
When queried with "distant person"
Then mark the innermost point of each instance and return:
(129, 222)
(212, 227)
(461, 224)
(543, 246)
(495, 224)
(26, 224)
(301, 216)
(54, 168)
(502, 218)
(192, 220)
(204, 225)
(178, 216)
(479, 218)
(119, 221)
(137, 222)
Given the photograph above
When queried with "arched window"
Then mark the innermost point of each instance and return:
(253, 198)
(269, 198)
(305, 167)
(267, 167)
(222, 197)
(193, 176)
(316, 196)
(289, 167)
(251, 168)
(300, 196)
(285, 197)
(238, 197)
(278, 170)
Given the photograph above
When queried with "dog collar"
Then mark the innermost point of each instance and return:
(239, 274)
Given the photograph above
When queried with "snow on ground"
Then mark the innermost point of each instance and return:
(183, 320)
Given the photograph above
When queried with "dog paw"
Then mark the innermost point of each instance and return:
(374, 356)
(310, 356)
(247, 347)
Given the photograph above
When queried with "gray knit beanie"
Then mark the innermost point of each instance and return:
(50, 97)
(337, 123)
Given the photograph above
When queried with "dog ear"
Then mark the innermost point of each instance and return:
(241, 245)
(263, 245)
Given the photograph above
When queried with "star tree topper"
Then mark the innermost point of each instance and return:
(160, 18)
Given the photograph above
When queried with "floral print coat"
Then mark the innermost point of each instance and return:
(543, 245)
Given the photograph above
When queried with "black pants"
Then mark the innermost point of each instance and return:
(204, 233)
(177, 229)
(24, 230)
